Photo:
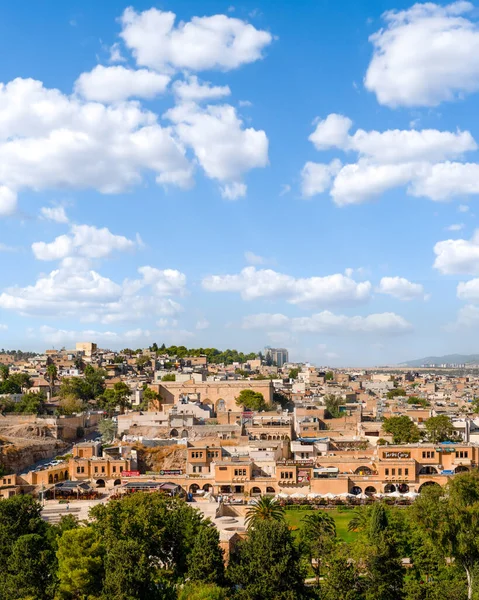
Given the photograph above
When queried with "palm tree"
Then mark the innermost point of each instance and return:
(317, 536)
(51, 376)
(264, 509)
(360, 520)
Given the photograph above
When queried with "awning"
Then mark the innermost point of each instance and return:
(326, 470)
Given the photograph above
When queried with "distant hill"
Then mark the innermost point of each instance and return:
(446, 359)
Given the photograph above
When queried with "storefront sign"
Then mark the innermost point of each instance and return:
(130, 473)
(396, 454)
(303, 476)
(171, 472)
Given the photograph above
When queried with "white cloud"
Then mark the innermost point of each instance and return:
(329, 323)
(316, 178)
(115, 54)
(455, 227)
(54, 213)
(425, 55)
(8, 201)
(84, 241)
(254, 259)
(468, 290)
(393, 145)
(222, 147)
(332, 132)
(60, 337)
(285, 189)
(193, 90)
(233, 191)
(75, 290)
(216, 42)
(50, 140)
(7, 248)
(400, 288)
(202, 324)
(463, 208)
(458, 256)
(314, 291)
(265, 321)
(390, 159)
(467, 318)
(115, 84)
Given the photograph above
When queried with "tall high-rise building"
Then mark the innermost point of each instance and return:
(278, 356)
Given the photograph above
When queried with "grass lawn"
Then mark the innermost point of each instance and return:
(293, 518)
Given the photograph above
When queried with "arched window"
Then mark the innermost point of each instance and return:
(389, 488)
(255, 491)
(426, 483)
(174, 433)
(370, 490)
(221, 405)
(50, 478)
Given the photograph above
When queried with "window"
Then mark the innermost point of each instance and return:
(103, 469)
(83, 469)
(222, 468)
(78, 469)
(406, 472)
(399, 471)
(386, 472)
(96, 469)
(463, 454)
(393, 471)
(428, 454)
(121, 469)
(114, 469)
(240, 472)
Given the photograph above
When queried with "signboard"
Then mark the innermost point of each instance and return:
(392, 454)
(303, 476)
(171, 472)
(130, 473)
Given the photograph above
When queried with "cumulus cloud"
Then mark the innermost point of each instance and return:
(222, 147)
(400, 288)
(455, 227)
(468, 290)
(254, 259)
(204, 43)
(117, 83)
(192, 90)
(467, 318)
(202, 324)
(423, 161)
(425, 55)
(460, 256)
(54, 213)
(108, 339)
(316, 178)
(75, 290)
(50, 140)
(84, 241)
(327, 322)
(314, 291)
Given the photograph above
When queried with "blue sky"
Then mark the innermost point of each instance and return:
(241, 175)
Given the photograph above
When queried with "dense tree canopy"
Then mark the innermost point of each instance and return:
(251, 400)
(403, 430)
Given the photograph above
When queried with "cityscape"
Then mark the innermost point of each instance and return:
(239, 300)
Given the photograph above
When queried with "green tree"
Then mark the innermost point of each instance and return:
(51, 376)
(107, 429)
(440, 429)
(317, 536)
(333, 404)
(130, 573)
(122, 396)
(396, 392)
(4, 372)
(142, 361)
(267, 564)
(68, 405)
(149, 397)
(31, 403)
(205, 561)
(450, 519)
(263, 509)
(403, 430)
(29, 569)
(329, 376)
(293, 374)
(195, 591)
(418, 401)
(80, 564)
(342, 580)
(23, 380)
(251, 400)
(169, 377)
